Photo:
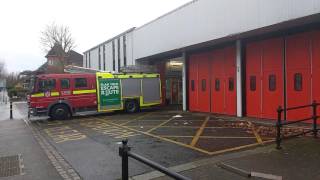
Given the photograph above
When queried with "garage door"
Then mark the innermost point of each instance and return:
(199, 84)
(264, 77)
(316, 67)
(223, 83)
(298, 57)
(193, 81)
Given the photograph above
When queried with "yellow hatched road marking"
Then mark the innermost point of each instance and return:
(199, 132)
(210, 137)
(156, 127)
(161, 138)
(238, 148)
(138, 118)
(256, 134)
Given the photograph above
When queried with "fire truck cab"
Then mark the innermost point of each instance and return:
(62, 95)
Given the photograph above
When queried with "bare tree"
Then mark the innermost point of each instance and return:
(57, 35)
(60, 38)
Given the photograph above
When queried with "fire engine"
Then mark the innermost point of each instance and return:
(61, 96)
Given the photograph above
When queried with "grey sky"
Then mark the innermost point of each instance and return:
(91, 22)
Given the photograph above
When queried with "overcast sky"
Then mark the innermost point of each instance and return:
(91, 22)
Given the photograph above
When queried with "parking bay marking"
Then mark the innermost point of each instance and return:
(199, 132)
(182, 144)
(156, 127)
(107, 129)
(138, 118)
(161, 138)
(63, 134)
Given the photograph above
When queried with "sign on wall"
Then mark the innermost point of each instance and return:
(109, 94)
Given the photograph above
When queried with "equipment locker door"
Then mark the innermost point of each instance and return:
(193, 81)
(203, 83)
(298, 75)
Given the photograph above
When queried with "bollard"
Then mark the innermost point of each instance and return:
(314, 117)
(11, 116)
(278, 138)
(123, 152)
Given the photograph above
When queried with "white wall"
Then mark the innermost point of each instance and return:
(94, 59)
(108, 56)
(129, 40)
(204, 20)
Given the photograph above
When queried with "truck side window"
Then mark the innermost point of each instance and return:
(80, 83)
(51, 84)
(41, 85)
(65, 83)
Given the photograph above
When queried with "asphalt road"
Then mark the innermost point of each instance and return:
(91, 146)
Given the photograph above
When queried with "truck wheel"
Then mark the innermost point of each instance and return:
(60, 112)
(131, 106)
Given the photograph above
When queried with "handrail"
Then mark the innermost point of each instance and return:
(124, 152)
(279, 123)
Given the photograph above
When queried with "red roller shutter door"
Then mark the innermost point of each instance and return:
(230, 81)
(272, 81)
(193, 81)
(223, 81)
(298, 75)
(264, 78)
(217, 82)
(253, 81)
(203, 83)
(316, 67)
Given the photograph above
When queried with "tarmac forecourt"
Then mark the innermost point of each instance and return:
(208, 134)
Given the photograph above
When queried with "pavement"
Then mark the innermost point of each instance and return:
(86, 147)
(17, 139)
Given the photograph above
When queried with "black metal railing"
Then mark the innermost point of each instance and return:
(124, 152)
(281, 123)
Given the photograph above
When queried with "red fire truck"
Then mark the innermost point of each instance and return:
(62, 95)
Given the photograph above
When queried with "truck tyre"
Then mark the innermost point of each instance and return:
(60, 112)
(131, 106)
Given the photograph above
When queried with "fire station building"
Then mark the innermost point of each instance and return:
(239, 58)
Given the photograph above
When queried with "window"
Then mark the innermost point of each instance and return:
(253, 83)
(51, 84)
(192, 85)
(231, 84)
(113, 57)
(119, 55)
(80, 83)
(298, 82)
(41, 85)
(203, 85)
(99, 58)
(217, 84)
(272, 82)
(65, 83)
(46, 85)
(104, 57)
(124, 51)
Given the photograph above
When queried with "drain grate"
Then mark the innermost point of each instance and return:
(10, 165)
